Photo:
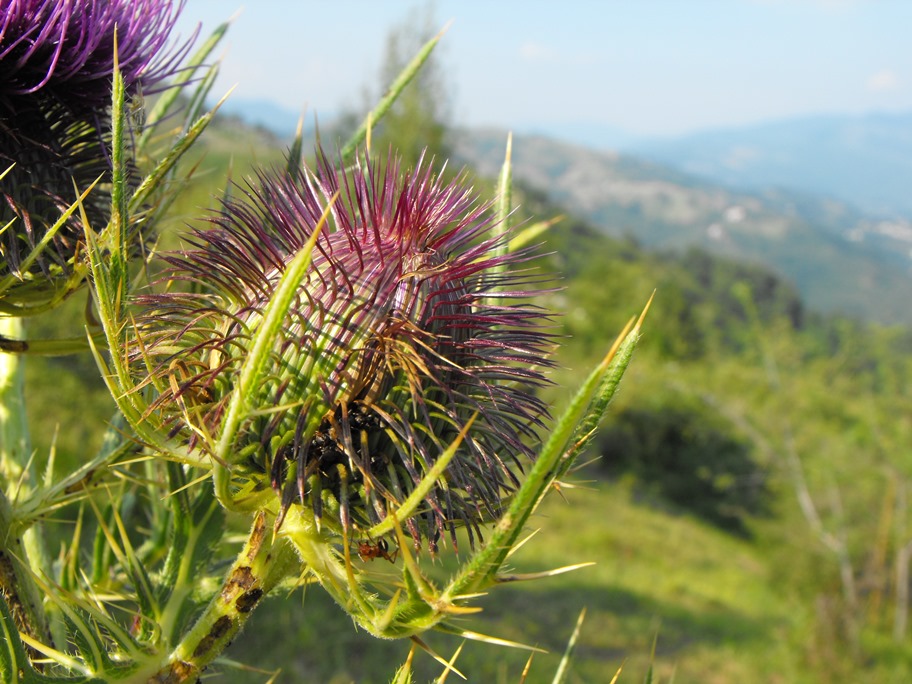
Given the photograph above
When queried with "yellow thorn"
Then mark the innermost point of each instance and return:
(645, 311)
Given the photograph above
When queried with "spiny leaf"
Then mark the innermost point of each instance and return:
(252, 372)
(95, 633)
(598, 406)
(561, 675)
(196, 527)
(155, 178)
(530, 233)
(10, 280)
(505, 186)
(74, 484)
(556, 456)
(296, 151)
(417, 497)
(650, 672)
(169, 97)
(404, 673)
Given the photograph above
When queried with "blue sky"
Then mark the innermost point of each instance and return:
(649, 67)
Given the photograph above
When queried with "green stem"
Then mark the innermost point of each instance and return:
(14, 436)
(58, 347)
(261, 565)
(314, 546)
(16, 475)
(17, 588)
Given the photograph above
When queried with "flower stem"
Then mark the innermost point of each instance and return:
(261, 564)
(16, 584)
(14, 436)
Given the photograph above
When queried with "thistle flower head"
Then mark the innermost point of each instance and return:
(56, 64)
(410, 321)
(64, 49)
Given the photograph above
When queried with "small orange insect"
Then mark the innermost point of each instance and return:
(369, 551)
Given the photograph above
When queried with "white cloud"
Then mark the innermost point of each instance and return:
(536, 52)
(883, 80)
(837, 5)
(540, 53)
(823, 5)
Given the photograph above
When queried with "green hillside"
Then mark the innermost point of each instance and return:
(746, 505)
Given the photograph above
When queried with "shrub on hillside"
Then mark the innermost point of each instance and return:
(685, 454)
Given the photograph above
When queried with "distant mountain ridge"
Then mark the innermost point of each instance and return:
(841, 259)
(865, 160)
(281, 120)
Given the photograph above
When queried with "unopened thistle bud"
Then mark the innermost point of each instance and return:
(56, 66)
(411, 320)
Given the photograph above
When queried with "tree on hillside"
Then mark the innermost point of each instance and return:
(419, 119)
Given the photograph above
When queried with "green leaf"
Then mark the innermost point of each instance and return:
(505, 188)
(95, 634)
(11, 279)
(598, 406)
(561, 675)
(502, 209)
(530, 233)
(254, 368)
(404, 673)
(417, 497)
(119, 216)
(154, 180)
(73, 485)
(197, 524)
(650, 672)
(83, 634)
(102, 554)
(295, 154)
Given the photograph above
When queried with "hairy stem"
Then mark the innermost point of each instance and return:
(16, 584)
(14, 436)
(261, 564)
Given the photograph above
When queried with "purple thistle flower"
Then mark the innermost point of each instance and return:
(410, 320)
(56, 68)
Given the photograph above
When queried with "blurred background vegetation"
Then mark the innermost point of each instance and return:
(746, 504)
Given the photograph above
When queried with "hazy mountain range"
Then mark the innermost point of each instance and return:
(840, 258)
(862, 160)
(822, 201)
